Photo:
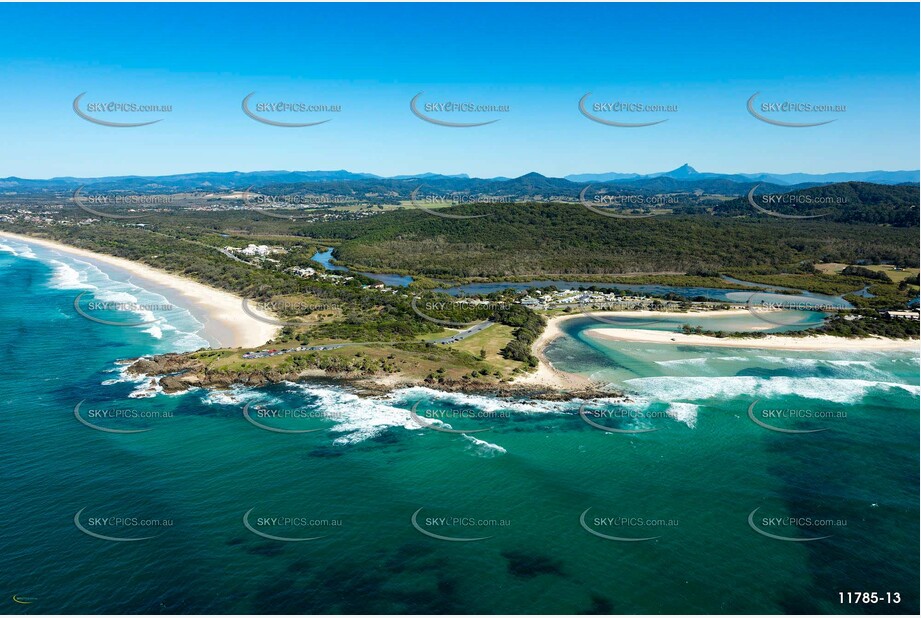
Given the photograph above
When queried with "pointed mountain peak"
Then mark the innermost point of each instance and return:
(532, 176)
(685, 171)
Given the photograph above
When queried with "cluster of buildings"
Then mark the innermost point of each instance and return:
(381, 287)
(314, 214)
(304, 271)
(312, 273)
(40, 220)
(569, 298)
(252, 250)
(904, 315)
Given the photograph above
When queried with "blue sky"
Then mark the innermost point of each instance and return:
(539, 60)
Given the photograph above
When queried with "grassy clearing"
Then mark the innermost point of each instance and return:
(490, 340)
(831, 268)
(416, 362)
(834, 268)
(892, 273)
(439, 335)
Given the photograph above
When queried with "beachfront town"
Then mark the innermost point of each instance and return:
(613, 300)
(42, 219)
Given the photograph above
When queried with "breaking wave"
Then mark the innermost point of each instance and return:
(704, 388)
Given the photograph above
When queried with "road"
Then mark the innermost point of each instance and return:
(459, 336)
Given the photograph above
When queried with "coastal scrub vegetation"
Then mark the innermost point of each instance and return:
(515, 242)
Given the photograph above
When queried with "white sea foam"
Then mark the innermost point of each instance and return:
(150, 387)
(857, 368)
(482, 448)
(359, 419)
(23, 251)
(355, 418)
(221, 398)
(489, 404)
(66, 277)
(70, 273)
(122, 370)
(108, 295)
(684, 412)
(134, 296)
(791, 362)
(187, 341)
(728, 387)
(481, 402)
(680, 362)
(154, 331)
(363, 418)
(237, 396)
(845, 368)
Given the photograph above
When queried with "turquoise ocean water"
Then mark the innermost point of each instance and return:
(542, 490)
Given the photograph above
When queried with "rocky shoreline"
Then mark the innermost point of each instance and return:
(176, 373)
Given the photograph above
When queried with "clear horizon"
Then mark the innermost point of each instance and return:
(538, 61)
(476, 309)
(499, 175)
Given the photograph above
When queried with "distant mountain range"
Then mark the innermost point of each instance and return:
(203, 181)
(683, 179)
(686, 172)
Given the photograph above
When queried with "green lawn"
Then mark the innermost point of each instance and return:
(895, 275)
(492, 340)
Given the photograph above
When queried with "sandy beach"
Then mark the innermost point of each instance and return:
(552, 331)
(771, 342)
(546, 374)
(549, 376)
(225, 322)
